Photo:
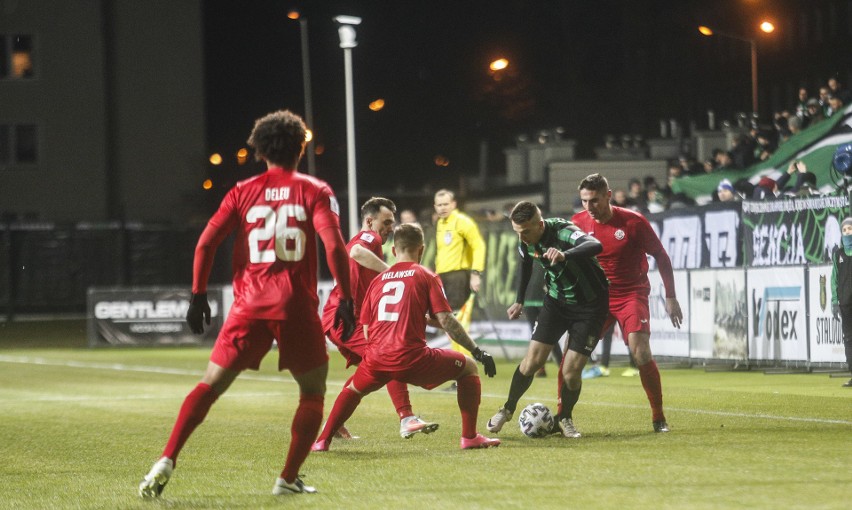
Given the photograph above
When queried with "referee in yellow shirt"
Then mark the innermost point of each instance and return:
(460, 253)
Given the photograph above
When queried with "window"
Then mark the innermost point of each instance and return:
(16, 56)
(18, 144)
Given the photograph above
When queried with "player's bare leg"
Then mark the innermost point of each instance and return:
(640, 347)
(534, 359)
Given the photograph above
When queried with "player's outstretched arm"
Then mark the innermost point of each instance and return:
(456, 331)
(367, 259)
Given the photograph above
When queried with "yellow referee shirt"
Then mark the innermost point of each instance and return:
(459, 244)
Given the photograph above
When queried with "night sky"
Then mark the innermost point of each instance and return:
(573, 64)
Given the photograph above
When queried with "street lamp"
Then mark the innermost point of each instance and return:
(499, 64)
(306, 83)
(765, 26)
(346, 31)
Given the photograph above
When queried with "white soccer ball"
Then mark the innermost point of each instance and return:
(536, 420)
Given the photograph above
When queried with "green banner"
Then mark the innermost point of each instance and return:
(814, 146)
(792, 232)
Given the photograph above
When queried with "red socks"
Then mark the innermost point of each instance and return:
(343, 408)
(650, 375)
(468, 396)
(303, 431)
(192, 412)
(398, 392)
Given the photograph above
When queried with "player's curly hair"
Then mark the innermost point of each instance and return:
(594, 182)
(523, 212)
(278, 137)
(407, 237)
(374, 205)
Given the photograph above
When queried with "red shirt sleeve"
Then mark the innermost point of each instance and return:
(654, 247)
(367, 306)
(219, 226)
(437, 300)
(326, 210)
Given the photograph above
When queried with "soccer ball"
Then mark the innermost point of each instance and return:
(536, 420)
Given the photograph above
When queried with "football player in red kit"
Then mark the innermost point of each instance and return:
(394, 315)
(627, 238)
(276, 217)
(365, 262)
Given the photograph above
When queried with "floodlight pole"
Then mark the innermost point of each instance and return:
(346, 31)
(753, 44)
(306, 82)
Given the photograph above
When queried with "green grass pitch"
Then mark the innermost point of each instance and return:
(79, 428)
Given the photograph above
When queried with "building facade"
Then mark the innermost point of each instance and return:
(101, 110)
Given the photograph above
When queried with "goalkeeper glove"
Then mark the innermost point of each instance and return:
(486, 360)
(345, 315)
(835, 309)
(198, 312)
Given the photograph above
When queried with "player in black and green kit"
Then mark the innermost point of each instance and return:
(576, 301)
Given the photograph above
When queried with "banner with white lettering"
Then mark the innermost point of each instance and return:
(148, 316)
(721, 238)
(699, 238)
(792, 232)
(652, 262)
(666, 340)
(681, 237)
(825, 339)
(776, 311)
(718, 322)
(702, 305)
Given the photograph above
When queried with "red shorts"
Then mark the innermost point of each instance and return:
(432, 369)
(631, 312)
(243, 342)
(353, 349)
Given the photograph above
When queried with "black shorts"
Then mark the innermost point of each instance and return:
(456, 287)
(582, 322)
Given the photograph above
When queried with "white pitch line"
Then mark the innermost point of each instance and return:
(272, 378)
(133, 368)
(105, 398)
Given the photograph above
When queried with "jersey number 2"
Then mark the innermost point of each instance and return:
(391, 295)
(275, 226)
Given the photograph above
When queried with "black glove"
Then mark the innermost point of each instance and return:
(345, 315)
(486, 360)
(198, 312)
(835, 309)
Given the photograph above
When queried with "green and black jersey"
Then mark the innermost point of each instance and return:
(577, 280)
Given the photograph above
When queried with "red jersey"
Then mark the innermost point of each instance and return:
(277, 216)
(626, 238)
(395, 311)
(359, 277)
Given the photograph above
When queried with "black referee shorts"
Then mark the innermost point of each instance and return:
(582, 322)
(456, 287)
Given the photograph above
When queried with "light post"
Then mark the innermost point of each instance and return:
(764, 26)
(346, 31)
(306, 83)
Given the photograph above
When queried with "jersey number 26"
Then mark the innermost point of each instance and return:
(275, 226)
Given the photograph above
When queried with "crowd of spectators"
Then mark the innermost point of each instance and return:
(757, 145)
